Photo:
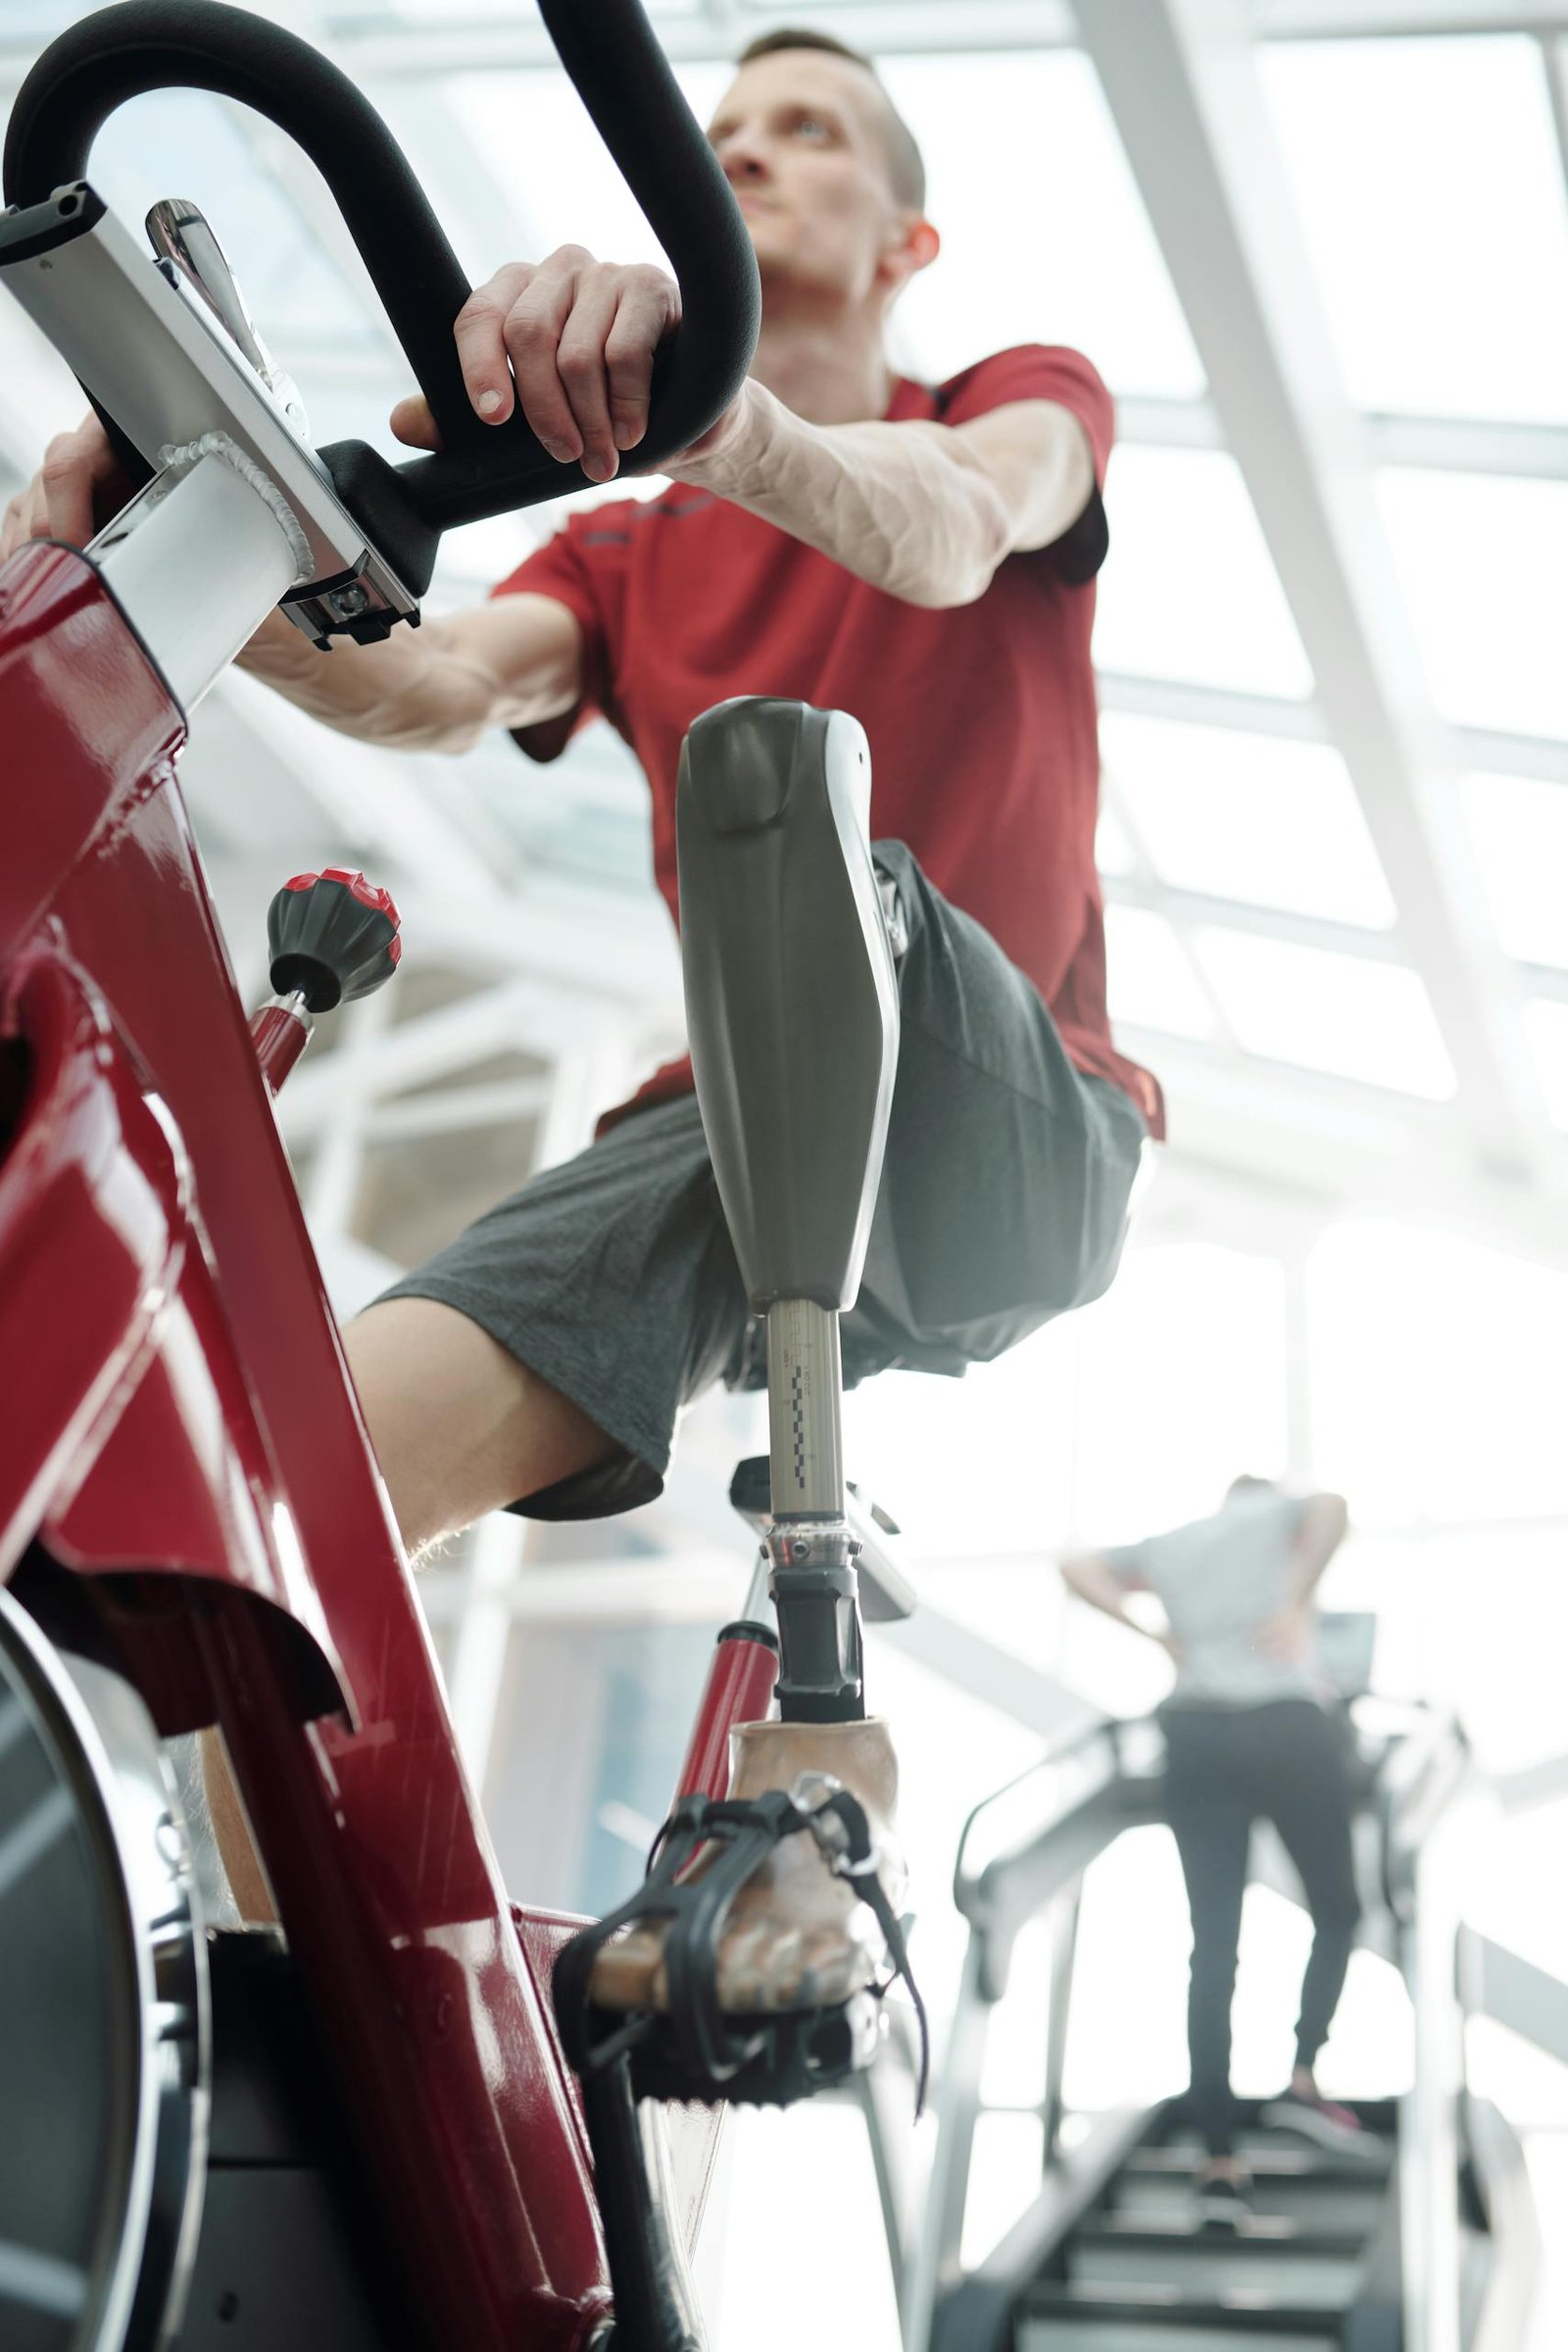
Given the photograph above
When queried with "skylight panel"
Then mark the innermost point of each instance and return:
(1546, 1028)
(1336, 1014)
(1008, 140)
(1519, 828)
(1113, 850)
(1188, 590)
(1149, 981)
(1252, 817)
(1481, 561)
(1430, 186)
(474, 11)
(532, 134)
(186, 143)
(1045, 236)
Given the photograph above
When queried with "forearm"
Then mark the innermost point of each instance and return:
(1094, 1581)
(415, 691)
(902, 505)
(1325, 1523)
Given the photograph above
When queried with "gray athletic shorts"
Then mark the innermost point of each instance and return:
(1003, 1202)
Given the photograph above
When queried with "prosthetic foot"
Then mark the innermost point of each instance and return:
(801, 1932)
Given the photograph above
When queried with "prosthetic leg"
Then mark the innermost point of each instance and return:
(792, 1008)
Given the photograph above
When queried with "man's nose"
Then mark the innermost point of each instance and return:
(743, 157)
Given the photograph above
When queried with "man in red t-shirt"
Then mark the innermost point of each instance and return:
(921, 558)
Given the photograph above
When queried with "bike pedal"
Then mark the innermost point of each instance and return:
(793, 2055)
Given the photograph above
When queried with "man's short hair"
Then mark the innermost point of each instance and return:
(906, 164)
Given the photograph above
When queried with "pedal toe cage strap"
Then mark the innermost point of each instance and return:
(695, 2046)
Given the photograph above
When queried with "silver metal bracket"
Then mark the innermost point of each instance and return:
(152, 353)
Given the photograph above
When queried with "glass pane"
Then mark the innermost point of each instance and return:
(1547, 1027)
(185, 143)
(1519, 827)
(1248, 816)
(1481, 561)
(1330, 1013)
(1182, 1387)
(1432, 192)
(1439, 1387)
(1114, 852)
(1190, 590)
(1005, 137)
(1149, 981)
(531, 132)
(1016, 148)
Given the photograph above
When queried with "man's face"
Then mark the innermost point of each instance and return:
(800, 136)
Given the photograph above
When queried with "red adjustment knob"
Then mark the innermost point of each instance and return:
(333, 937)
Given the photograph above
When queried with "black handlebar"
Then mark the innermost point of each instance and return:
(609, 51)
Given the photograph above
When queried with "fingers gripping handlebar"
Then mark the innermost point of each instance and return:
(609, 51)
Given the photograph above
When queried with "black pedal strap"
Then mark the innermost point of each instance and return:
(858, 1862)
(734, 1837)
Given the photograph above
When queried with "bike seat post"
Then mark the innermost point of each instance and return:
(792, 1008)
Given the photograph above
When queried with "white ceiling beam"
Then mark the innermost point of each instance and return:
(377, 799)
(381, 53)
(1185, 704)
(522, 1015)
(1181, 80)
(1189, 908)
(1388, 20)
(1431, 444)
(1359, 1149)
(1143, 888)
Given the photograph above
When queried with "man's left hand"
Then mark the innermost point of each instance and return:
(572, 339)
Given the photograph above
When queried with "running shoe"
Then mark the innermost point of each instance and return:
(1324, 2122)
(1223, 2202)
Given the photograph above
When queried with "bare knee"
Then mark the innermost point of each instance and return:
(458, 1425)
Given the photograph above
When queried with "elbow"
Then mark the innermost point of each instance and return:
(944, 588)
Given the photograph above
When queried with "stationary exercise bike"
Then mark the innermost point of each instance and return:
(364, 2131)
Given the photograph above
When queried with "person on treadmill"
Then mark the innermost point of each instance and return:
(921, 556)
(1250, 1729)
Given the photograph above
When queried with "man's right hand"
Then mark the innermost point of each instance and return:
(80, 488)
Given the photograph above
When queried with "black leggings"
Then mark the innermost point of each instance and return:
(1290, 1762)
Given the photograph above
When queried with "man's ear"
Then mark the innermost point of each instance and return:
(913, 245)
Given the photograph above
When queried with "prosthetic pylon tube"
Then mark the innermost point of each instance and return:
(811, 1551)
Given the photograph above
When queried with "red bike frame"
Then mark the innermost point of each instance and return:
(180, 1425)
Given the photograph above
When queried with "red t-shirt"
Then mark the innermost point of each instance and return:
(981, 718)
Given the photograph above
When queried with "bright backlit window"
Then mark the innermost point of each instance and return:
(1481, 561)
(1429, 184)
(1547, 1027)
(1044, 237)
(1337, 1014)
(1439, 1377)
(1149, 981)
(1248, 816)
(531, 132)
(185, 143)
(1190, 590)
(1519, 827)
(1113, 850)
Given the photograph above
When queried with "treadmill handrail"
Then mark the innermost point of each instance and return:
(609, 51)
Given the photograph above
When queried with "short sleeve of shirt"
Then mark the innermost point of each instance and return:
(583, 568)
(1048, 372)
(1126, 1563)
